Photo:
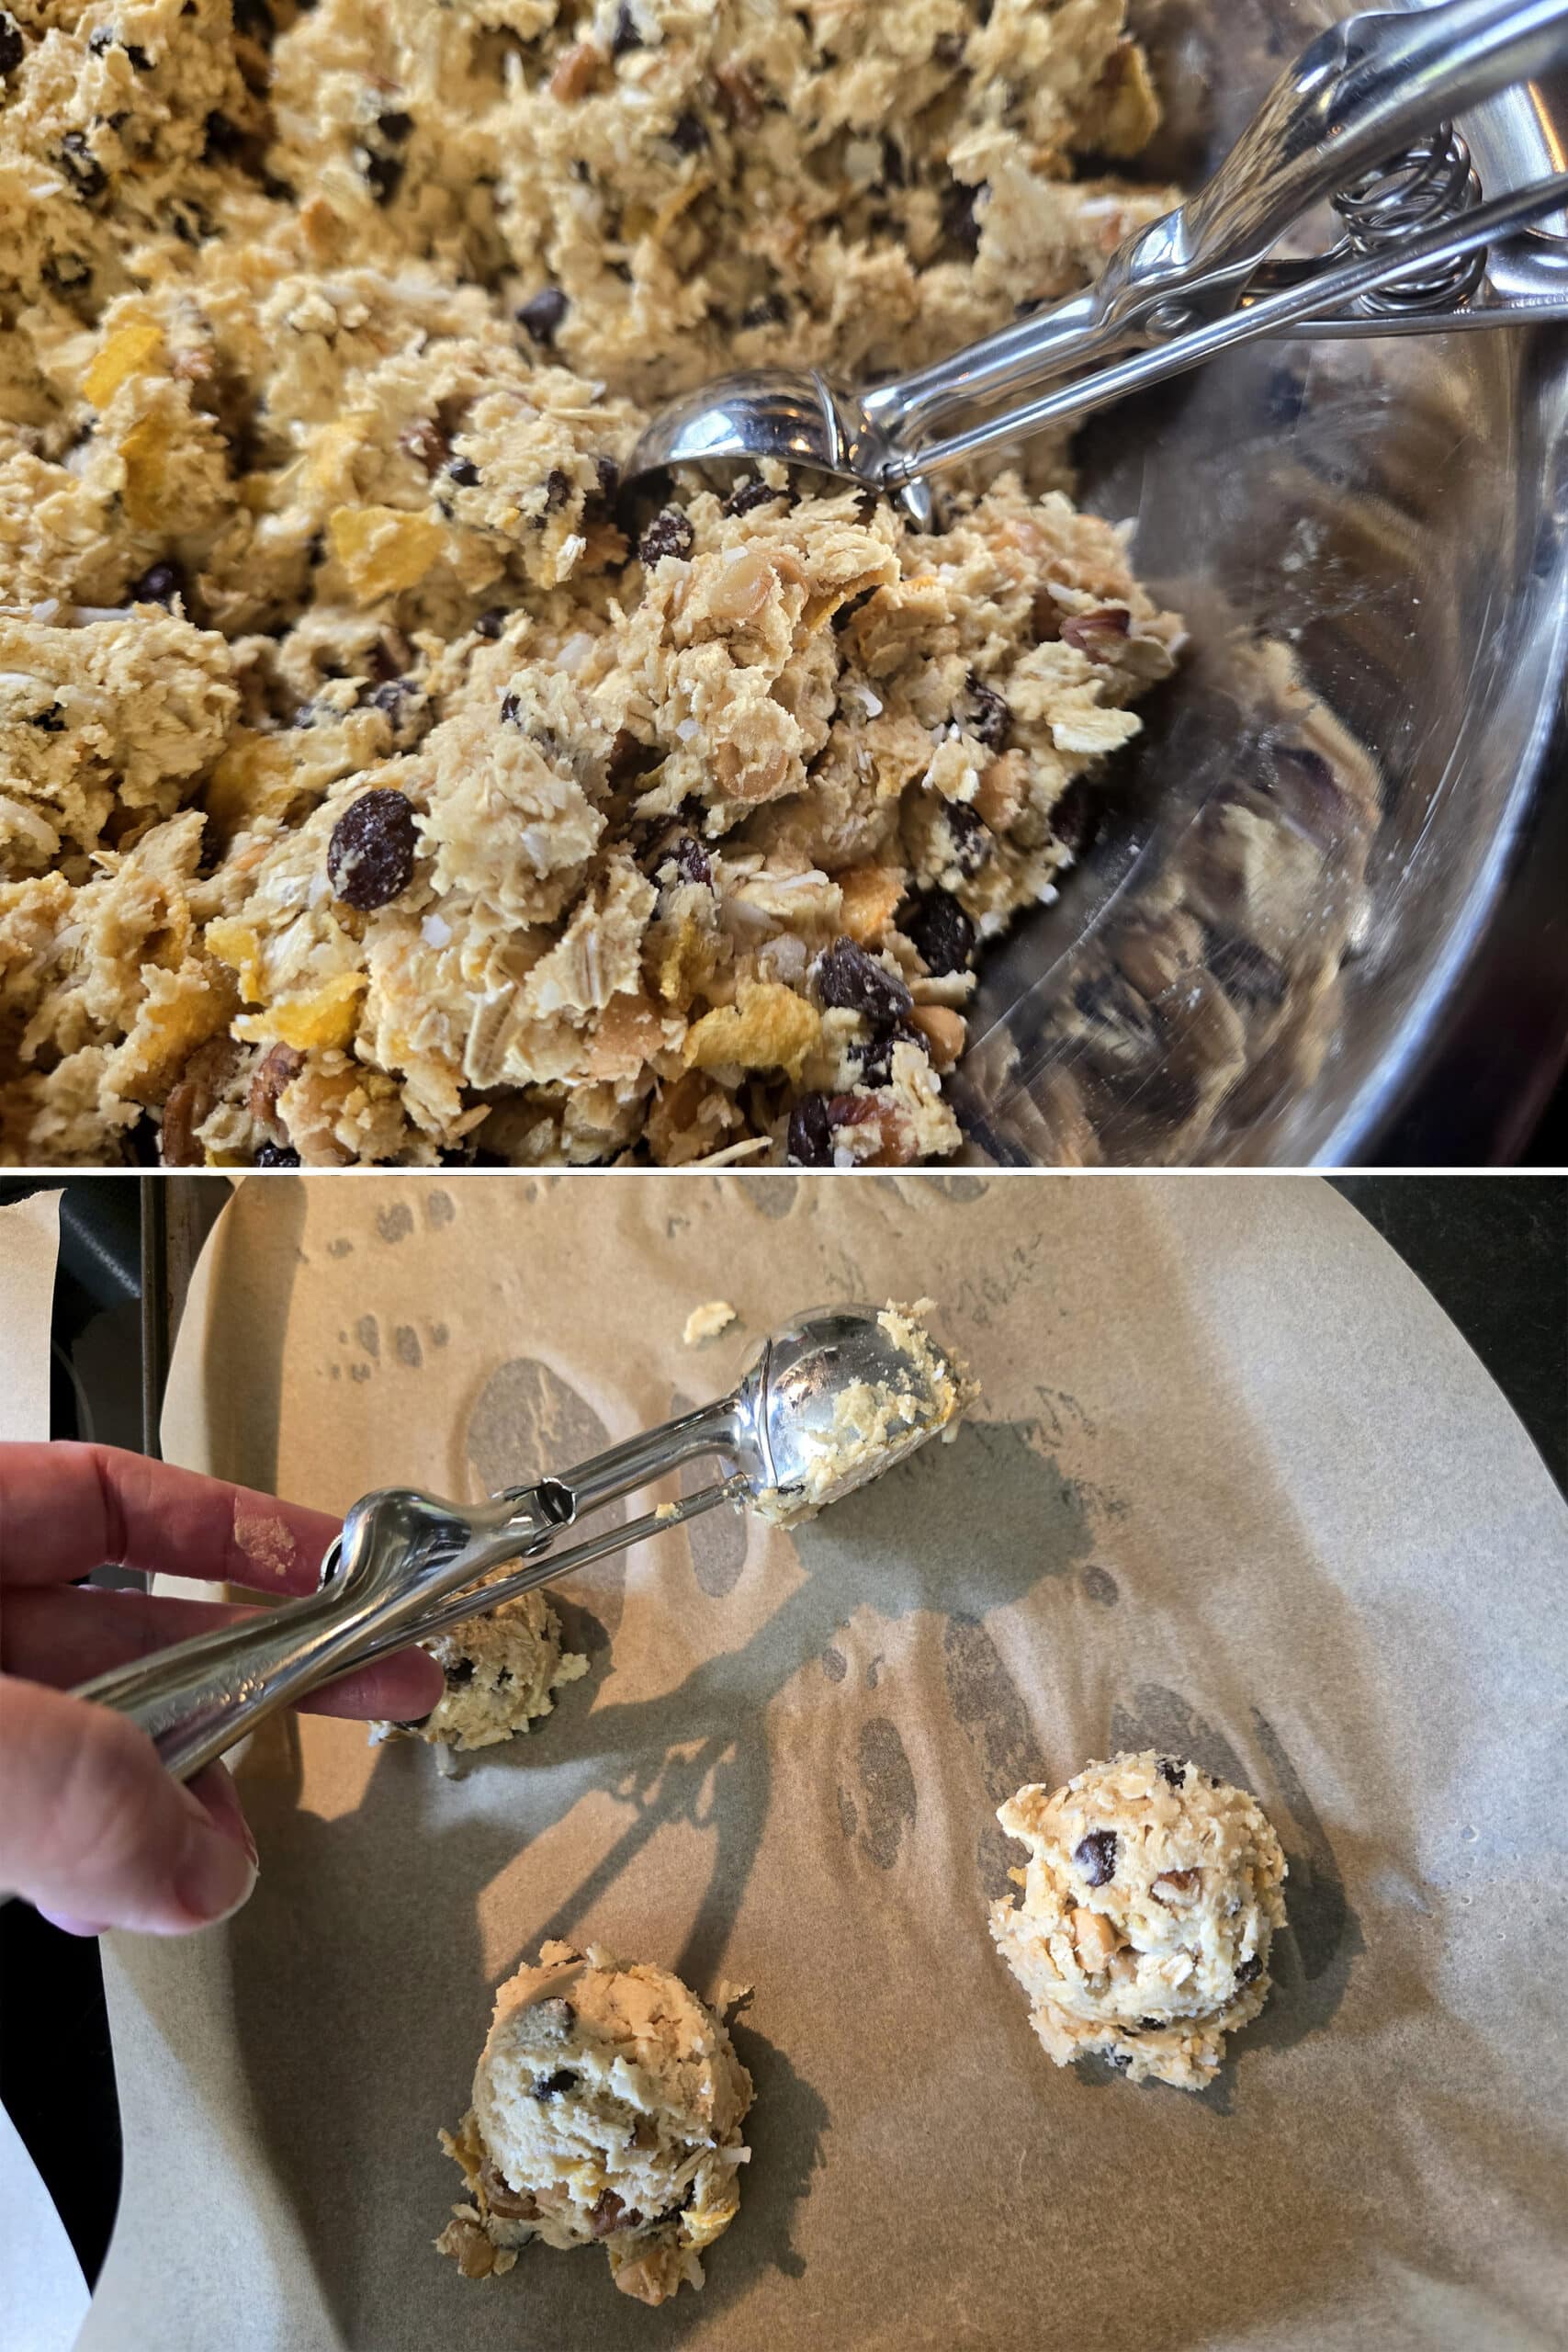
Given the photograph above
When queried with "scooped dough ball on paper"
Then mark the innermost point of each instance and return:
(1150, 1899)
(502, 1670)
(607, 2108)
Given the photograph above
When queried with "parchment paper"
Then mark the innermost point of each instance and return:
(1237, 1490)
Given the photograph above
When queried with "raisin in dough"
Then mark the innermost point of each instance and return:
(1150, 1899)
(607, 2107)
(502, 1671)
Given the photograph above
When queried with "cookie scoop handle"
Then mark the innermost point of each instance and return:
(399, 1553)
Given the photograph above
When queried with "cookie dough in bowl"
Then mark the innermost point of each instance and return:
(376, 785)
(1149, 1902)
(607, 2109)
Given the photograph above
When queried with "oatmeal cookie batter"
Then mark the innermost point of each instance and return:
(1150, 1900)
(607, 2107)
(502, 1670)
(375, 785)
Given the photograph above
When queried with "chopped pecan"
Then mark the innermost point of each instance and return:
(277, 1068)
(577, 72)
(611, 2212)
(508, 2204)
(738, 96)
(1178, 1883)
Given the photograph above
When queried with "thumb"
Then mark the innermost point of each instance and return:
(95, 1833)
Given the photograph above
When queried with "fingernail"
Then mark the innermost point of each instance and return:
(215, 1875)
(70, 1927)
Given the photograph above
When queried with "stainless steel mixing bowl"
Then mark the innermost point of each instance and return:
(1388, 516)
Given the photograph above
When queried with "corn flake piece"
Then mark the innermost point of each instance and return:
(236, 945)
(381, 549)
(145, 453)
(325, 1018)
(871, 900)
(769, 1027)
(125, 355)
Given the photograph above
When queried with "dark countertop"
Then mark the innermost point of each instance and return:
(1492, 1251)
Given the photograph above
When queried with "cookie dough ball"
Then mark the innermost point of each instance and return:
(607, 2108)
(1150, 1899)
(502, 1671)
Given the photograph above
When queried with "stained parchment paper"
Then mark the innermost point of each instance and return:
(1237, 1489)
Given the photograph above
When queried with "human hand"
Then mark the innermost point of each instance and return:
(93, 1830)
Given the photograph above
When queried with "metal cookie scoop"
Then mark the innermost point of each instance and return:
(1359, 121)
(828, 1403)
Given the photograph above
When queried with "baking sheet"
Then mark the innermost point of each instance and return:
(1237, 1489)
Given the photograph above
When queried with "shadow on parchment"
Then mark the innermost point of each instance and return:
(692, 1755)
(1250, 2225)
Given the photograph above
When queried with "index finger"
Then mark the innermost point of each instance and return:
(66, 1509)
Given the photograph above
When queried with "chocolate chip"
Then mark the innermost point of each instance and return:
(874, 1055)
(1249, 1971)
(552, 2085)
(512, 709)
(948, 49)
(401, 703)
(86, 173)
(972, 841)
(463, 471)
(503, 1676)
(609, 475)
(1096, 1856)
(491, 622)
(627, 34)
(692, 860)
(383, 174)
(988, 717)
(159, 586)
(1171, 1772)
(222, 136)
(893, 172)
(670, 533)
(101, 40)
(689, 134)
(371, 856)
(751, 495)
(809, 1143)
(395, 128)
(254, 21)
(558, 489)
(942, 933)
(13, 48)
(542, 313)
(1097, 634)
(48, 722)
(769, 311)
(1119, 2059)
(1074, 819)
(459, 1675)
(845, 975)
(276, 1155)
(958, 220)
